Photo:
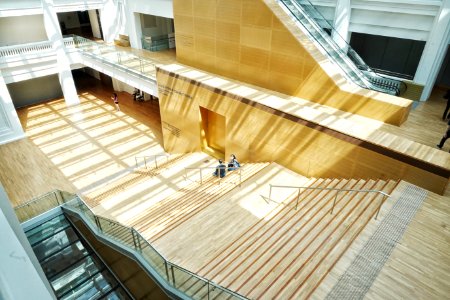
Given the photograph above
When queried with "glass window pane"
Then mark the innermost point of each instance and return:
(47, 229)
(75, 275)
(64, 258)
(94, 288)
(55, 243)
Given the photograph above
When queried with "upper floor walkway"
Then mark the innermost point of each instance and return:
(135, 67)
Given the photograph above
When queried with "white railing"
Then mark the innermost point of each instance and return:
(201, 169)
(153, 158)
(25, 48)
(338, 190)
(105, 54)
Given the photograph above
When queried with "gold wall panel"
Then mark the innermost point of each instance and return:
(255, 134)
(257, 36)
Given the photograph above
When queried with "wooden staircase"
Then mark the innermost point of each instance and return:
(166, 215)
(288, 255)
(104, 193)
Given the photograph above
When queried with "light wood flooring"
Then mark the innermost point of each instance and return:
(78, 148)
(86, 148)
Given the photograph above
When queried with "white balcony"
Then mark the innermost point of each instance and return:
(25, 61)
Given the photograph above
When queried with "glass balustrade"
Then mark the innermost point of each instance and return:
(56, 239)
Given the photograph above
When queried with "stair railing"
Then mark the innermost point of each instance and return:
(359, 72)
(128, 239)
(153, 157)
(201, 169)
(338, 190)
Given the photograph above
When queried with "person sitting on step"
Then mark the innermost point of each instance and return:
(220, 170)
(233, 164)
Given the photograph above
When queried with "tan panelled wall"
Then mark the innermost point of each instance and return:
(244, 40)
(256, 135)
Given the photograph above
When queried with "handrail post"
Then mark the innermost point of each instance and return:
(185, 174)
(97, 221)
(270, 192)
(145, 162)
(59, 198)
(298, 197)
(173, 276)
(135, 159)
(156, 162)
(201, 177)
(208, 289)
(334, 202)
(240, 177)
(379, 207)
(167, 270)
(136, 241)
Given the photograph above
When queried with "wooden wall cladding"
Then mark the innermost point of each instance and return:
(246, 41)
(257, 134)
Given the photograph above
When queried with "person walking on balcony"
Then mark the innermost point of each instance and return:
(445, 137)
(446, 116)
(220, 170)
(116, 101)
(233, 164)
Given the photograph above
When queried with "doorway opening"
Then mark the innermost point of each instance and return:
(212, 133)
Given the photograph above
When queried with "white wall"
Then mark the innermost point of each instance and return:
(23, 29)
(400, 19)
(21, 276)
(161, 8)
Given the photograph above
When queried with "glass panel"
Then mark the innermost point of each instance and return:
(189, 284)
(36, 207)
(47, 229)
(117, 231)
(55, 243)
(154, 259)
(95, 288)
(60, 260)
(75, 275)
(219, 293)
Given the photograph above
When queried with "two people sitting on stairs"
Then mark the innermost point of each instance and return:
(221, 169)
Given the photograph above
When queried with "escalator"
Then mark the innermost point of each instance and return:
(70, 265)
(338, 50)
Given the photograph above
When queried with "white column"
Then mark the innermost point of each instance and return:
(94, 24)
(133, 22)
(111, 19)
(54, 35)
(10, 127)
(21, 276)
(342, 22)
(434, 52)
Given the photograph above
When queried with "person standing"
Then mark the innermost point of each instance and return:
(116, 101)
(445, 137)
(445, 115)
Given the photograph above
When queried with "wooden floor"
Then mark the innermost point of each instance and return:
(78, 148)
(90, 149)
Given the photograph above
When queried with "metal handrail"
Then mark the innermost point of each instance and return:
(338, 190)
(28, 203)
(81, 208)
(154, 159)
(201, 175)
